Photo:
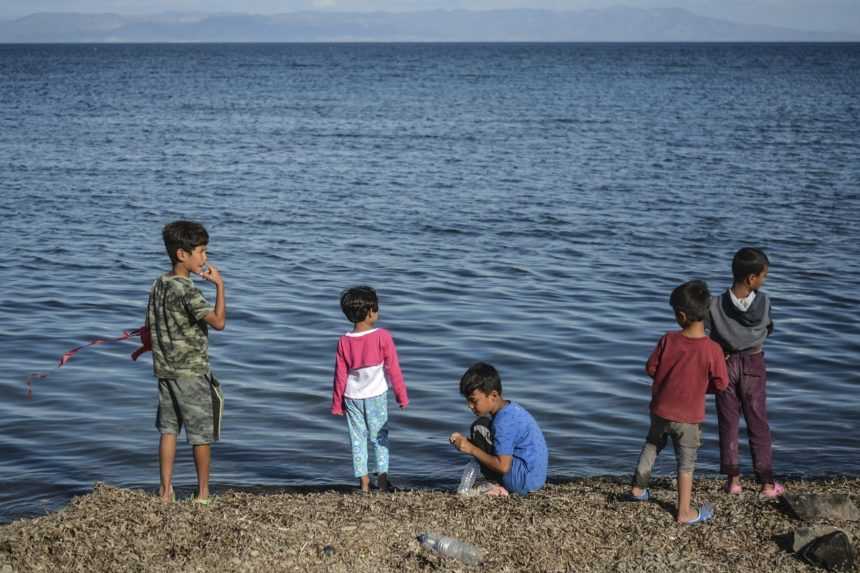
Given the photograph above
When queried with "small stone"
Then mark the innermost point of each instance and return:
(328, 551)
(806, 535)
(833, 552)
(7, 544)
(811, 507)
(6, 569)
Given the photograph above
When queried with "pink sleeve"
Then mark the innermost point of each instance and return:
(654, 359)
(392, 370)
(339, 382)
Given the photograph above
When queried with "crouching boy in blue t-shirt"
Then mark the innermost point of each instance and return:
(505, 439)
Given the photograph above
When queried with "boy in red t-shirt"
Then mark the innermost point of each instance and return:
(685, 366)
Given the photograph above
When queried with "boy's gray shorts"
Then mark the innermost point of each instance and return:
(187, 402)
(686, 439)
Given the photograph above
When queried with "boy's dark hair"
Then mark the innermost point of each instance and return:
(480, 376)
(357, 302)
(748, 261)
(185, 235)
(693, 299)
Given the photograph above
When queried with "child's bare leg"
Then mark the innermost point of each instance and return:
(202, 459)
(650, 450)
(685, 493)
(166, 457)
(364, 482)
(382, 482)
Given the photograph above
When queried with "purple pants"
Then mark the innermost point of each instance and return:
(746, 393)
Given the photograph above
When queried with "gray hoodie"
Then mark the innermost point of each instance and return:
(736, 330)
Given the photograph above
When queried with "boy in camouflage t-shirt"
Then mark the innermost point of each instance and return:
(178, 318)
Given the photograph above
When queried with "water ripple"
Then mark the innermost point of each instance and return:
(528, 205)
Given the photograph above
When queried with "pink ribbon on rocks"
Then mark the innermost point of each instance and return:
(142, 332)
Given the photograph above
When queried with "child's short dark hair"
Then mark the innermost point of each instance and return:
(480, 376)
(693, 299)
(748, 261)
(185, 235)
(357, 302)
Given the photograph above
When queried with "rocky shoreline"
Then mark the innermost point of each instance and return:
(583, 525)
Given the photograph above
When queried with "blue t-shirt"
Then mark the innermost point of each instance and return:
(516, 434)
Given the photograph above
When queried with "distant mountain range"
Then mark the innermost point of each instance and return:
(619, 24)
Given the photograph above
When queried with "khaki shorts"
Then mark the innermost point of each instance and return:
(193, 403)
(686, 440)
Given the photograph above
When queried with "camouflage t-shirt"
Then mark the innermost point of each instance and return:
(174, 315)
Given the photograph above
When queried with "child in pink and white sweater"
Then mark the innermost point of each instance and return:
(365, 366)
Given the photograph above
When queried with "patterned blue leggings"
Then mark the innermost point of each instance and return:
(368, 425)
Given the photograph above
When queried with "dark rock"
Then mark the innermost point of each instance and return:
(328, 551)
(834, 552)
(810, 507)
(806, 535)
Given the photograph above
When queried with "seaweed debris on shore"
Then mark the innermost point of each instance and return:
(579, 526)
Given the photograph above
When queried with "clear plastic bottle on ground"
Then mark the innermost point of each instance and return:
(451, 547)
(470, 474)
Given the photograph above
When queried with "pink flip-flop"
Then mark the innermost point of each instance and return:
(777, 490)
(733, 488)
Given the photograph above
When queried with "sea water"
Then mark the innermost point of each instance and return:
(528, 205)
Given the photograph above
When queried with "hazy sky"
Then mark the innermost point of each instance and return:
(802, 14)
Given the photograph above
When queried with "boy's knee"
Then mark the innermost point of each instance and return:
(481, 435)
(200, 440)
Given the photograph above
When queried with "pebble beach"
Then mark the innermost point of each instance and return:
(582, 525)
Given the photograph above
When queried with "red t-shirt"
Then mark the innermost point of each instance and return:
(684, 370)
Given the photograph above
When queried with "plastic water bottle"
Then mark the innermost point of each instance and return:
(451, 547)
(470, 474)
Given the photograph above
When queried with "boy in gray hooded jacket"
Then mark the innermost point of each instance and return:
(740, 321)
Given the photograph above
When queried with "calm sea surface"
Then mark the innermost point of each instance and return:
(529, 205)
